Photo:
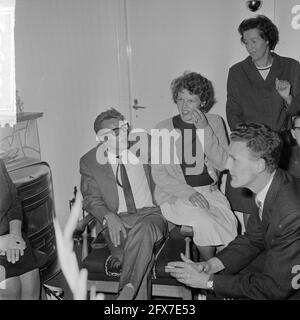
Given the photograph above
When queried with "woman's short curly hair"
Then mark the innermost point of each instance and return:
(262, 141)
(196, 84)
(267, 29)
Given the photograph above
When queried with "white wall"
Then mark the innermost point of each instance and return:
(170, 36)
(66, 67)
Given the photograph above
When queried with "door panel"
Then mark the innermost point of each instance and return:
(169, 37)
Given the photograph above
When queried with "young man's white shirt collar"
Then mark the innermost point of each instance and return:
(261, 195)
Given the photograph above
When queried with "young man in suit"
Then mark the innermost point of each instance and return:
(263, 263)
(117, 190)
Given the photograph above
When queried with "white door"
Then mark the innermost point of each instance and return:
(168, 37)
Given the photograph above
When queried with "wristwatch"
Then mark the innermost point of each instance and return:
(210, 282)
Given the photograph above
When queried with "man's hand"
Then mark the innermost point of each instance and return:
(198, 200)
(115, 226)
(283, 87)
(200, 266)
(199, 119)
(188, 273)
(212, 265)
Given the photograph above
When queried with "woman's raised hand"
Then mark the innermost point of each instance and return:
(283, 87)
(199, 119)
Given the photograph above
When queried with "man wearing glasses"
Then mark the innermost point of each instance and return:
(117, 190)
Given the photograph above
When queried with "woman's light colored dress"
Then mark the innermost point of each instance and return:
(216, 226)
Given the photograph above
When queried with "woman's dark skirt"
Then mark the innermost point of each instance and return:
(26, 263)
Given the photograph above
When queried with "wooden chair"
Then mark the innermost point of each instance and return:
(95, 253)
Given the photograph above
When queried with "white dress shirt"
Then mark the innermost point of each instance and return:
(137, 178)
(261, 196)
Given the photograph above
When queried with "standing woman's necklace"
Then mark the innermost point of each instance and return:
(264, 71)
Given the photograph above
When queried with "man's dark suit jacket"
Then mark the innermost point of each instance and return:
(99, 187)
(275, 239)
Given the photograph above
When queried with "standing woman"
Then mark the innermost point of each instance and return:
(19, 274)
(263, 88)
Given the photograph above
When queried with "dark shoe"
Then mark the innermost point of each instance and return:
(113, 267)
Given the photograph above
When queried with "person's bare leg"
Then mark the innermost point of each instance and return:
(30, 285)
(127, 293)
(10, 289)
(206, 252)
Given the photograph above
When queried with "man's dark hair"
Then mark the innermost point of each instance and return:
(267, 29)
(107, 115)
(262, 141)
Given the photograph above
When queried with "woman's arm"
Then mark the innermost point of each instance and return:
(294, 105)
(14, 211)
(234, 111)
(12, 244)
(216, 143)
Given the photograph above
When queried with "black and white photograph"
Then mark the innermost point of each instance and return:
(150, 152)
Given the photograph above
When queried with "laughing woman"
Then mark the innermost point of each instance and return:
(187, 189)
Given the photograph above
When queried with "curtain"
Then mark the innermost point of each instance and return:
(7, 63)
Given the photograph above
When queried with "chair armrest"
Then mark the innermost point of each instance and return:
(82, 224)
(83, 233)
